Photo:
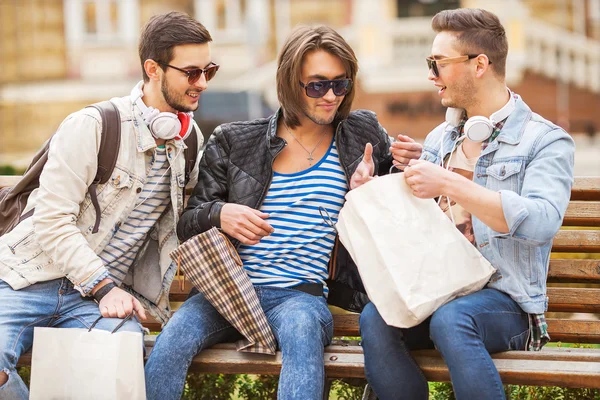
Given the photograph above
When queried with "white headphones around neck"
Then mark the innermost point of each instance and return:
(479, 128)
(162, 125)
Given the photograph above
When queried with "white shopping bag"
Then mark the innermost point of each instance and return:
(410, 256)
(82, 364)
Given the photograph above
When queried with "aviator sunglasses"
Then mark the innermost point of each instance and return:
(432, 63)
(318, 89)
(195, 73)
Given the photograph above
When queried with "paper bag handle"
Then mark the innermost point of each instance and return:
(127, 318)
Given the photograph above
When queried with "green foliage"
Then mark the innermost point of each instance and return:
(348, 389)
(515, 392)
(209, 386)
(441, 391)
(25, 374)
(257, 387)
(8, 170)
(264, 387)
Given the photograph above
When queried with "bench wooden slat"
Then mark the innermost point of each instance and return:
(582, 213)
(344, 364)
(574, 270)
(586, 188)
(574, 299)
(577, 241)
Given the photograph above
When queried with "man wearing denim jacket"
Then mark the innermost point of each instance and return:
(509, 179)
(54, 270)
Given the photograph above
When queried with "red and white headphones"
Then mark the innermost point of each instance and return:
(162, 125)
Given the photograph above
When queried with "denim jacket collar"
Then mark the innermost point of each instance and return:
(515, 125)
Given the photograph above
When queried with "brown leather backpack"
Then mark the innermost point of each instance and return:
(13, 199)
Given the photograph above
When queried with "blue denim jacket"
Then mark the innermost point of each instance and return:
(531, 164)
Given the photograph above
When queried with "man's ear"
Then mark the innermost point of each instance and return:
(153, 70)
(483, 64)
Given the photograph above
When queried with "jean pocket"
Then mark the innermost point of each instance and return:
(519, 342)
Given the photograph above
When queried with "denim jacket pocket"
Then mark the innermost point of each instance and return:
(504, 175)
(108, 194)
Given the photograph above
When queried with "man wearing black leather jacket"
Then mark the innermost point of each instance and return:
(263, 183)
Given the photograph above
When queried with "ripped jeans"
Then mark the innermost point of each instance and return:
(52, 303)
(301, 323)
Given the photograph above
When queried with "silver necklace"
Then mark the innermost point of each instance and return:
(310, 153)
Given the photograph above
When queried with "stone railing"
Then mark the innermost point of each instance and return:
(559, 54)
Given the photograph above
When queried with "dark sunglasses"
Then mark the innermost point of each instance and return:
(432, 63)
(318, 89)
(194, 74)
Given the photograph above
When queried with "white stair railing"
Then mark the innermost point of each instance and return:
(560, 54)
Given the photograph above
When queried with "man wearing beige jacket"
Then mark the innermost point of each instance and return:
(56, 270)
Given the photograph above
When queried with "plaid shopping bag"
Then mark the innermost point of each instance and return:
(212, 264)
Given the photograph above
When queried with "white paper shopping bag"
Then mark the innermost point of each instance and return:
(410, 256)
(77, 364)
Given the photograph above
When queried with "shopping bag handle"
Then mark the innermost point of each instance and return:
(127, 318)
(232, 250)
(398, 166)
(327, 217)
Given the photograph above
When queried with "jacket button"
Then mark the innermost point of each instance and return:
(454, 136)
(138, 190)
(503, 171)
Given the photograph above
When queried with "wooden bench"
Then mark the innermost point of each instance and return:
(574, 287)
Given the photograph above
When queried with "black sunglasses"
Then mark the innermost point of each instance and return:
(195, 73)
(318, 89)
(432, 63)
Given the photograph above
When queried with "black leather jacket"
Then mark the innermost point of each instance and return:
(237, 167)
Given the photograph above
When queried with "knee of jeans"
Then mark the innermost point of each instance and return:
(305, 322)
(447, 321)
(370, 321)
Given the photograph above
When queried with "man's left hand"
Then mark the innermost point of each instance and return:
(426, 180)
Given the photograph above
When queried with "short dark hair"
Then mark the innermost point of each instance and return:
(302, 41)
(478, 32)
(164, 32)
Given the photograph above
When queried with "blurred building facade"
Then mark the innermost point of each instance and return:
(60, 55)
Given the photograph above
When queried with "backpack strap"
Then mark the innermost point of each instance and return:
(110, 141)
(190, 153)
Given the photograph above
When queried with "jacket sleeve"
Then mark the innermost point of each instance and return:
(70, 169)
(536, 215)
(203, 209)
(385, 155)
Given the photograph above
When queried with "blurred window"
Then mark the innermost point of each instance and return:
(424, 8)
(101, 19)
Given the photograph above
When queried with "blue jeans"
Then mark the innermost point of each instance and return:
(52, 303)
(301, 323)
(465, 331)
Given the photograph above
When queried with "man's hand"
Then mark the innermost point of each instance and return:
(119, 304)
(404, 150)
(244, 223)
(364, 171)
(426, 180)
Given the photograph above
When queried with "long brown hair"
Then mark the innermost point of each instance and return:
(301, 41)
(162, 33)
(478, 32)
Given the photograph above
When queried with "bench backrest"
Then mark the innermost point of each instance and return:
(573, 277)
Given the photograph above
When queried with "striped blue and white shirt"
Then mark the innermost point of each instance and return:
(122, 249)
(299, 249)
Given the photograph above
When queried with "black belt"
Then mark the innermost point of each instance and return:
(316, 289)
